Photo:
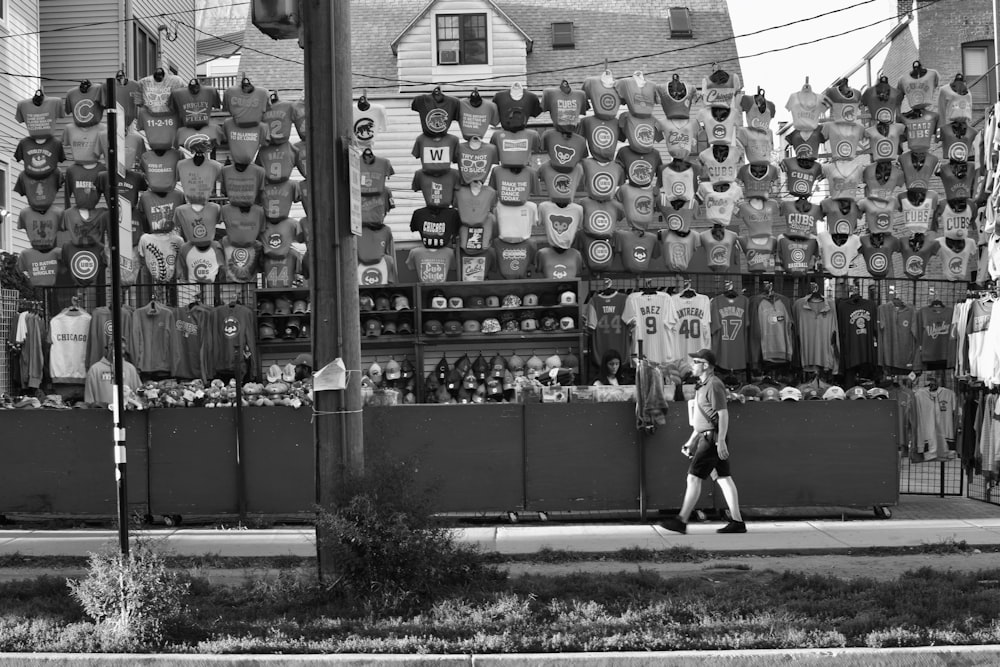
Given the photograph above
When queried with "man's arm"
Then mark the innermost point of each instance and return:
(723, 416)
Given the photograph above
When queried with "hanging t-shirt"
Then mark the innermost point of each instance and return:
(247, 107)
(681, 136)
(677, 213)
(375, 242)
(438, 189)
(242, 185)
(513, 259)
(514, 149)
(40, 226)
(917, 218)
(160, 128)
(85, 107)
(373, 207)
(728, 317)
(917, 252)
(601, 179)
(760, 217)
(160, 168)
(514, 113)
(640, 132)
(719, 205)
(474, 164)
(194, 107)
(878, 214)
(474, 268)
(476, 240)
(40, 119)
(955, 265)
(565, 108)
(676, 99)
(198, 180)
(437, 111)
(514, 187)
(599, 253)
(158, 210)
(565, 150)
(85, 227)
(956, 141)
(475, 205)
(958, 180)
(159, 254)
(640, 168)
(553, 264)
(197, 222)
(601, 135)
(561, 223)
(476, 120)
(918, 169)
(875, 187)
(760, 252)
(40, 155)
(81, 185)
(382, 272)
(841, 215)
(720, 89)
(920, 129)
(639, 94)
(805, 144)
(878, 253)
(86, 264)
(243, 224)
(953, 105)
(843, 138)
(244, 140)
(953, 222)
(919, 87)
(636, 249)
(694, 328)
(884, 145)
(757, 144)
(600, 217)
(805, 107)
(843, 178)
(797, 255)
(843, 103)
(200, 140)
(437, 227)
(856, 324)
(200, 264)
(603, 319)
(799, 218)
(882, 101)
(719, 249)
(41, 268)
(278, 160)
(40, 192)
(561, 186)
(277, 237)
(436, 153)
(603, 96)
(69, 333)
(242, 262)
(719, 125)
(654, 320)
(678, 184)
(81, 143)
(639, 204)
(515, 223)
(722, 170)
(677, 248)
(757, 179)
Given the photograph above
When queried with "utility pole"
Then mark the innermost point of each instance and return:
(333, 262)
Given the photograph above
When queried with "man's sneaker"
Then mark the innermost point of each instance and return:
(733, 527)
(674, 524)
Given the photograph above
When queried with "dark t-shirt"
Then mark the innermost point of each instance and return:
(437, 226)
(195, 109)
(40, 158)
(514, 114)
(436, 113)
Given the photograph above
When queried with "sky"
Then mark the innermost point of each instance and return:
(784, 72)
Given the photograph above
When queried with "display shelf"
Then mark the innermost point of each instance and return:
(500, 309)
(387, 341)
(282, 290)
(541, 337)
(302, 344)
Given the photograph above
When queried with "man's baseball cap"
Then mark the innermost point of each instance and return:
(438, 300)
(293, 327)
(392, 370)
(300, 307)
(475, 302)
(406, 369)
(463, 364)
(469, 381)
(481, 367)
(265, 331)
(456, 302)
(366, 302)
(373, 327)
(453, 328)
(382, 302)
(770, 394)
(812, 394)
(404, 326)
(433, 328)
(567, 298)
(528, 321)
(432, 382)
(282, 306)
(508, 381)
(878, 392)
(497, 366)
(567, 323)
(553, 361)
(530, 300)
(454, 380)
(479, 395)
(790, 394)
(493, 387)
(400, 302)
(492, 301)
(490, 325)
(856, 393)
(265, 307)
(512, 301)
(705, 354)
(389, 328)
(750, 391)
(534, 363)
(834, 393)
(442, 368)
(471, 326)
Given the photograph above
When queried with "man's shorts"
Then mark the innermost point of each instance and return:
(706, 457)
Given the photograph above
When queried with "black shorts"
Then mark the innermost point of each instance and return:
(706, 458)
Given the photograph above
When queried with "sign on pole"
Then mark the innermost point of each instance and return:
(354, 162)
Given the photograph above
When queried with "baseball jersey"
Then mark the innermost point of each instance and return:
(41, 268)
(198, 180)
(817, 333)
(516, 106)
(882, 101)
(797, 256)
(513, 259)
(554, 264)
(720, 88)
(678, 183)
(758, 110)
(802, 175)
(381, 272)
(474, 268)
(917, 218)
(243, 183)
(437, 227)
(375, 242)
(976, 327)
(516, 223)
(200, 265)
(799, 217)
(882, 179)
(603, 95)
(676, 98)
(958, 180)
(600, 217)
(805, 144)
(897, 338)
(757, 144)
(728, 328)
(246, 104)
(601, 135)
(81, 185)
(160, 168)
(857, 326)
(40, 118)
(883, 141)
(40, 226)
(85, 227)
(841, 215)
(86, 264)
(918, 169)
(878, 214)
(476, 240)
(69, 332)
(955, 264)
(159, 254)
(438, 189)
(635, 248)
(603, 319)
(277, 237)
(242, 262)
(843, 138)
(368, 122)
(40, 155)
(474, 120)
(758, 216)
(514, 187)
(955, 222)
(475, 203)
(877, 249)
(756, 179)
(843, 178)
(160, 128)
(694, 330)
(436, 153)
(640, 168)
(653, 318)
(681, 136)
(561, 186)
(565, 150)
(719, 206)
(561, 223)
(677, 248)
(917, 252)
(197, 222)
(514, 149)
(565, 107)
(599, 253)
(277, 198)
(282, 271)
(194, 104)
(919, 89)
(437, 111)
(40, 192)
(837, 257)
(805, 107)
(244, 140)
(158, 210)
(81, 143)
(719, 249)
(677, 214)
(956, 141)
(724, 170)
(601, 179)
(920, 129)
(638, 204)
(933, 325)
(278, 160)
(760, 252)
(474, 164)
(243, 224)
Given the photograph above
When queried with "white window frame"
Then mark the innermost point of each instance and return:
(445, 73)
(4, 14)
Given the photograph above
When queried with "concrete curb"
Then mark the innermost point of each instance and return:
(968, 656)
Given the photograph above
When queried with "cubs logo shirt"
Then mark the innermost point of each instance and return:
(85, 107)
(565, 150)
(797, 256)
(677, 104)
(242, 262)
(843, 178)
(159, 255)
(805, 144)
(883, 141)
(882, 101)
(878, 252)
(758, 216)
(955, 222)
(758, 112)
(601, 179)
(201, 265)
(843, 103)
(799, 218)
(919, 90)
(599, 253)
(513, 259)
(953, 105)
(604, 98)
(718, 244)
(837, 257)
(724, 170)
(916, 253)
(757, 144)
(474, 164)
(565, 108)
(805, 106)
(843, 138)
(380, 272)
(719, 125)
(561, 223)
(600, 217)
(85, 264)
(639, 204)
(555, 264)
(246, 106)
(640, 132)
(858, 327)
(677, 214)
(955, 264)
(757, 179)
(959, 180)
(277, 237)
(367, 123)
(956, 142)
(602, 137)
(677, 248)
(760, 252)
(474, 268)
(719, 205)
(878, 214)
(681, 136)
(876, 187)
(918, 218)
(561, 186)
(920, 129)
(841, 215)
(635, 248)
(476, 120)
(437, 112)
(918, 169)
(515, 112)
(678, 183)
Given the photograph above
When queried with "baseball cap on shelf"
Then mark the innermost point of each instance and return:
(404, 326)
(265, 331)
(375, 372)
(433, 328)
(705, 354)
(274, 373)
(770, 394)
(366, 302)
(750, 392)
(293, 327)
(438, 300)
(491, 325)
(512, 301)
(497, 366)
(790, 394)
(453, 328)
(856, 393)
(515, 363)
(479, 395)
(389, 329)
(475, 302)
(534, 363)
(554, 361)
(529, 322)
(570, 360)
(463, 364)
(406, 369)
(469, 381)
(442, 368)
(834, 393)
(265, 307)
(812, 394)
(480, 367)
(304, 333)
(878, 392)
(432, 382)
(299, 307)
(456, 302)
(567, 298)
(530, 300)
(508, 381)
(400, 302)
(567, 323)
(493, 387)
(282, 306)
(382, 302)
(471, 326)
(373, 327)
(549, 322)
(454, 380)
(492, 301)
(304, 359)
(443, 395)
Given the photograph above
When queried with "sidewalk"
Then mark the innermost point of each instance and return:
(972, 522)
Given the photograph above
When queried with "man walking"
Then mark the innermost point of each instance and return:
(708, 447)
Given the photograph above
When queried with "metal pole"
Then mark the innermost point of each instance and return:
(241, 493)
(118, 405)
(333, 259)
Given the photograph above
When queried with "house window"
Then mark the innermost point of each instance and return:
(680, 23)
(977, 60)
(461, 39)
(562, 36)
(143, 52)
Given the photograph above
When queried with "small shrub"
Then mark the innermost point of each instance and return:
(132, 599)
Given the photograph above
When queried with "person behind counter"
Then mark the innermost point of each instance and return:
(611, 369)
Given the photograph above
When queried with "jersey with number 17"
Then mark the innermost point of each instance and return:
(729, 342)
(653, 318)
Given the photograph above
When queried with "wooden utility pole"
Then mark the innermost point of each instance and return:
(336, 331)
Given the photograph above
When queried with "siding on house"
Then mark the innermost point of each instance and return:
(178, 15)
(73, 48)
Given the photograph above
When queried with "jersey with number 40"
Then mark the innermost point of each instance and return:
(694, 331)
(653, 318)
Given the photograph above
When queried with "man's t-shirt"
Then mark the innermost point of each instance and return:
(474, 207)
(561, 185)
(474, 164)
(635, 249)
(40, 155)
(195, 108)
(200, 264)
(158, 210)
(920, 130)
(640, 97)
(639, 204)
(374, 243)
(474, 268)
(514, 149)
(242, 262)
(278, 160)
(40, 119)
(565, 108)
(514, 187)
(278, 119)
(513, 259)
(282, 271)
(514, 113)
(553, 264)
(277, 237)
(475, 121)
(601, 135)
(729, 327)
(437, 227)
(640, 168)
(40, 267)
(709, 398)
(565, 150)
(81, 143)
(242, 186)
(797, 255)
(198, 181)
(156, 93)
(243, 226)
(604, 97)
(604, 321)
(601, 179)
(799, 222)
(654, 318)
(85, 228)
(600, 217)
(432, 265)
(561, 223)
(86, 264)
(640, 132)
(515, 223)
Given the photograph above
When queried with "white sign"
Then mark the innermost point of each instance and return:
(125, 257)
(354, 161)
(120, 111)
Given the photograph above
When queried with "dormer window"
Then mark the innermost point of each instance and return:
(461, 39)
